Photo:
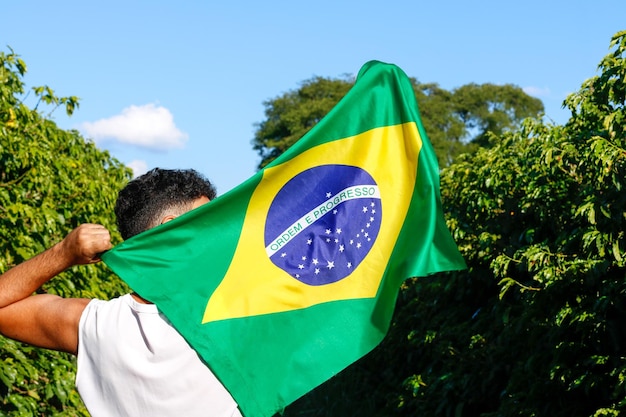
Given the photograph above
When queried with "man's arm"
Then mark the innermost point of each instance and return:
(47, 320)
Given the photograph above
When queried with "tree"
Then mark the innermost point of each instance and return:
(489, 110)
(51, 180)
(444, 130)
(539, 218)
(294, 113)
(534, 327)
(456, 121)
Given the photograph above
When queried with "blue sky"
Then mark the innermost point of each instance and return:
(182, 84)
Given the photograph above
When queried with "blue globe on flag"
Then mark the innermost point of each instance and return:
(323, 223)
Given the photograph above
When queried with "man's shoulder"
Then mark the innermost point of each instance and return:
(125, 305)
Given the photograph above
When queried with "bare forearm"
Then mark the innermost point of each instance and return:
(25, 278)
(81, 246)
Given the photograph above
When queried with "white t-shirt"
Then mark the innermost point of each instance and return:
(133, 363)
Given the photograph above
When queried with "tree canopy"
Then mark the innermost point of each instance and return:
(456, 121)
(51, 180)
(294, 113)
(534, 326)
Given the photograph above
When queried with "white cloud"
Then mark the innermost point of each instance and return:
(138, 166)
(537, 91)
(148, 126)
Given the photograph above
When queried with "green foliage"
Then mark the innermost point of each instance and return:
(444, 130)
(493, 109)
(294, 113)
(456, 122)
(535, 326)
(51, 180)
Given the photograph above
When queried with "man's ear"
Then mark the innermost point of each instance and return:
(167, 218)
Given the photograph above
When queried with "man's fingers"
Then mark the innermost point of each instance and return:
(87, 242)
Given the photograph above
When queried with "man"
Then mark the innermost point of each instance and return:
(130, 360)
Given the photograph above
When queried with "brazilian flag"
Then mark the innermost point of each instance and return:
(293, 275)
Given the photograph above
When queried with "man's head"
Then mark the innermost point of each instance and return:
(158, 196)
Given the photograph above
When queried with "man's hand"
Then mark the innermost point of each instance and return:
(85, 244)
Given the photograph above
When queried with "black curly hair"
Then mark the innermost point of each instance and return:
(148, 198)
